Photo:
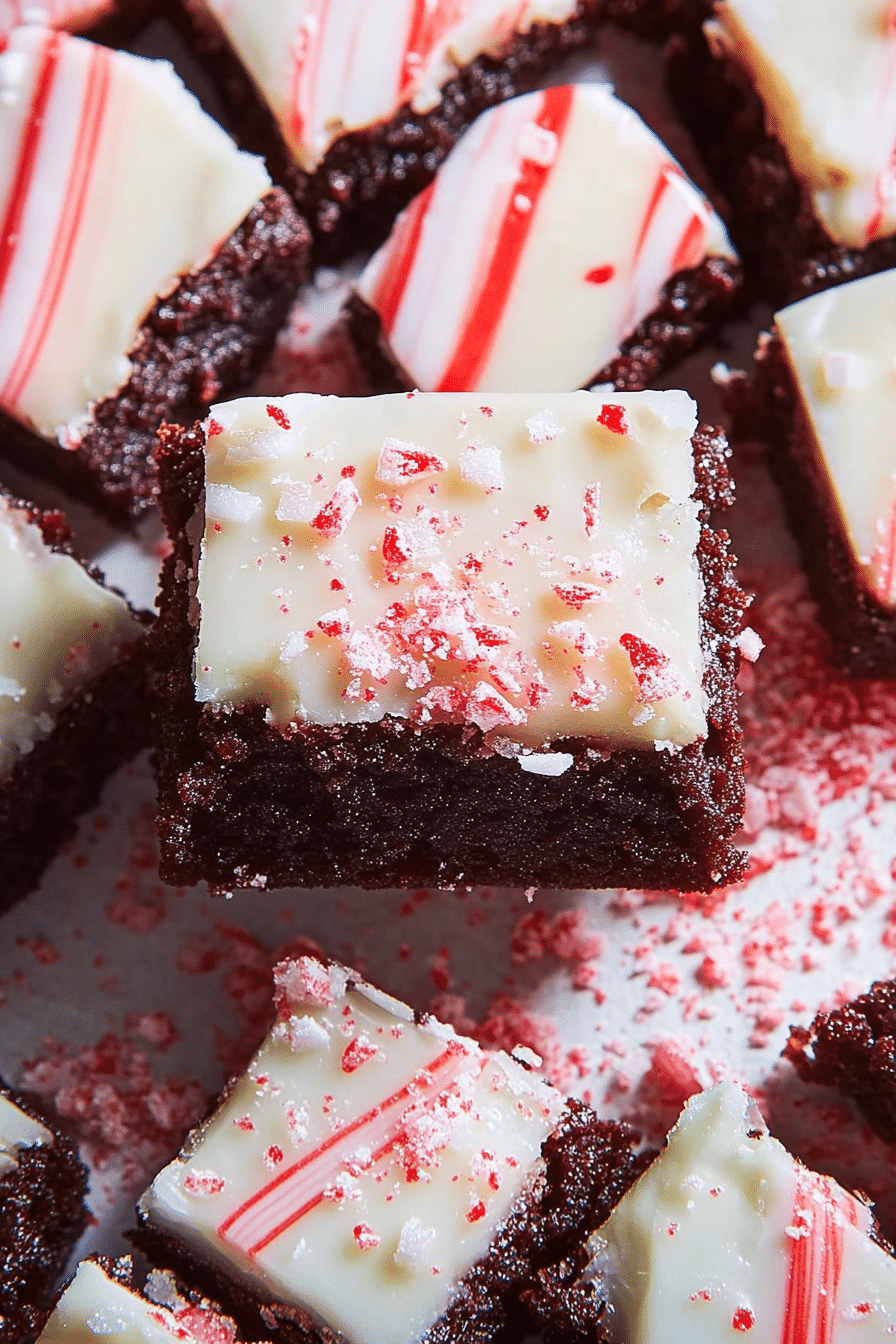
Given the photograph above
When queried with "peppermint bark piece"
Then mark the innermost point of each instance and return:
(557, 241)
(42, 1214)
(354, 106)
(479, 640)
(131, 218)
(74, 681)
(796, 120)
(103, 1300)
(822, 398)
(727, 1235)
(375, 1177)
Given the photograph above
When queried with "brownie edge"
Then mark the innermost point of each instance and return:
(386, 804)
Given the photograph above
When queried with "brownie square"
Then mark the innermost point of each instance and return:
(787, 249)
(440, 793)
(560, 244)
(819, 399)
(75, 675)
(455, 1195)
(351, 194)
(176, 268)
(42, 1188)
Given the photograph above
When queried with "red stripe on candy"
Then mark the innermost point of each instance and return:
(24, 171)
(393, 280)
(271, 1211)
(820, 1213)
(93, 107)
(485, 313)
(690, 246)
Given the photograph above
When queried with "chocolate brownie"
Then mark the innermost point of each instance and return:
(42, 1214)
(756, 106)
(517, 268)
(455, 1195)
(74, 676)
(576, 755)
(169, 317)
(853, 1048)
(820, 398)
(286, 96)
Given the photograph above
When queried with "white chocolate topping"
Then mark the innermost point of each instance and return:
(70, 14)
(826, 74)
(841, 345)
(18, 1130)
(95, 1306)
(524, 563)
(326, 68)
(59, 629)
(113, 184)
(362, 1165)
(545, 238)
(727, 1237)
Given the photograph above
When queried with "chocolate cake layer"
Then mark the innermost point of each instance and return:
(42, 1214)
(209, 336)
(368, 176)
(386, 804)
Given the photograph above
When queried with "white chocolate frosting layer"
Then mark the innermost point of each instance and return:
(113, 184)
(59, 629)
(71, 14)
(841, 345)
(362, 1165)
(95, 1306)
(18, 1130)
(727, 1236)
(544, 240)
(826, 73)
(326, 68)
(524, 563)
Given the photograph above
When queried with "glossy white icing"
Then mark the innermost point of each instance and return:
(71, 14)
(363, 1163)
(59, 628)
(524, 563)
(841, 345)
(96, 1306)
(18, 1130)
(727, 1236)
(113, 183)
(326, 68)
(827, 78)
(545, 238)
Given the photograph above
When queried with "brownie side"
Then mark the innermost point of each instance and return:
(524, 1282)
(657, 19)
(387, 804)
(204, 341)
(42, 1214)
(770, 408)
(105, 725)
(691, 306)
(853, 1048)
(787, 254)
(368, 176)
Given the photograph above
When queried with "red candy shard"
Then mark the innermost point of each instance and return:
(401, 462)
(600, 275)
(365, 1238)
(279, 416)
(654, 670)
(335, 516)
(591, 508)
(476, 1212)
(743, 1319)
(614, 418)
(336, 624)
(214, 428)
(577, 594)
(395, 547)
(356, 1053)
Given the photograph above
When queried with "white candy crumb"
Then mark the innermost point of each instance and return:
(527, 1056)
(480, 464)
(227, 504)
(665, 744)
(413, 1244)
(543, 427)
(750, 644)
(546, 763)
(644, 716)
(302, 1033)
(160, 1288)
